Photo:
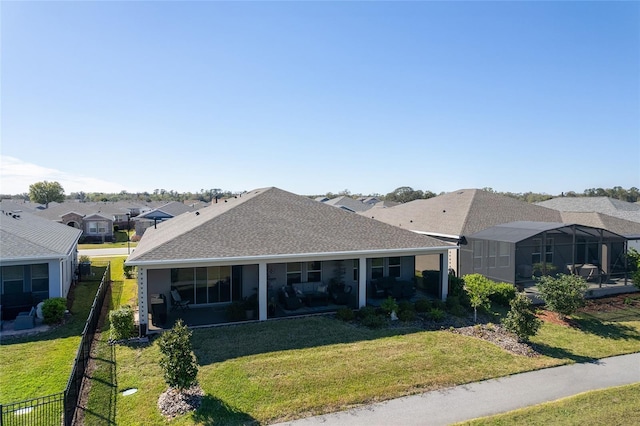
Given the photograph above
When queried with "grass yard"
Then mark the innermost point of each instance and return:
(40, 365)
(282, 370)
(613, 406)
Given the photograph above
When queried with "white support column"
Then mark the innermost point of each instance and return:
(444, 272)
(143, 303)
(362, 282)
(262, 291)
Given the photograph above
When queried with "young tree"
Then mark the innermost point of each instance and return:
(478, 287)
(521, 320)
(634, 266)
(563, 294)
(46, 192)
(177, 359)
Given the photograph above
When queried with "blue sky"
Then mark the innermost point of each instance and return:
(314, 97)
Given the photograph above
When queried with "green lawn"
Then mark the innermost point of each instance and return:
(613, 406)
(40, 365)
(281, 370)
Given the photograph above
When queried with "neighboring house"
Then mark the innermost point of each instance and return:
(38, 259)
(266, 240)
(609, 206)
(348, 203)
(98, 227)
(595, 210)
(91, 216)
(165, 212)
(467, 214)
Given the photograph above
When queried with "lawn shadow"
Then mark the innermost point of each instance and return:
(606, 329)
(103, 387)
(219, 344)
(214, 411)
(560, 353)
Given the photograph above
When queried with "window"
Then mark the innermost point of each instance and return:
(93, 227)
(356, 264)
(493, 254)
(294, 273)
(314, 271)
(477, 254)
(536, 255)
(377, 268)
(40, 278)
(504, 254)
(394, 267)
(12, 279)
(548, 251)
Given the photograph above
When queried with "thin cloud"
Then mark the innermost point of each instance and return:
(16, 176)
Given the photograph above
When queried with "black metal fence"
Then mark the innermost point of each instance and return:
(60, 408)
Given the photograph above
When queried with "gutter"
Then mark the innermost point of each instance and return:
(279, 257)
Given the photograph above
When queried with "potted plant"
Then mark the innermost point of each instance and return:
(251, 306)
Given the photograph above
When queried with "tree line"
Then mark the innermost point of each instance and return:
(46, 192)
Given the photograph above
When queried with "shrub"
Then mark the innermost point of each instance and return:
(502, 293)
(521, 320)
(374, 321)
(128, 271)
(84, 259)
(366, 311)
(389, 305)
(406, 311)
(455, 307)
(121, 320)
(407, 315)
(436, 314)
(53, 310)
(422, 305)
(439, 304)
(135, 238)
(177, 359)
(563, 294)
(345, 314)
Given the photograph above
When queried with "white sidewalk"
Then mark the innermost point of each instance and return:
(446, 406)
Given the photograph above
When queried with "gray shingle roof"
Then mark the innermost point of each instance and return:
(271, 222)
(349, 203)
(606, 205)
(462, 212)
(29, 236)
(171, 209)
(616, 225)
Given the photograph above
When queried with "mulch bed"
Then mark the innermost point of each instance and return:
(173, 402)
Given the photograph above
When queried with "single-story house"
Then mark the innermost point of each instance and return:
(596, 210)
(268, 242)
(38, 260)
(460, 215)
(165, 212)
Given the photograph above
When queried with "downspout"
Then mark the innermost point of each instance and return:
(601, 258)
(573, 249)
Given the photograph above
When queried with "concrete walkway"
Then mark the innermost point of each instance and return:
(489, 397)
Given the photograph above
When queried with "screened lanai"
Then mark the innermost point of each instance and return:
(517, 252)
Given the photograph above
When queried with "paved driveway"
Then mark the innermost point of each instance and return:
(489, 397)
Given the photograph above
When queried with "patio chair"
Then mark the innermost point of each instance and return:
(177, 301)
(25, 320)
